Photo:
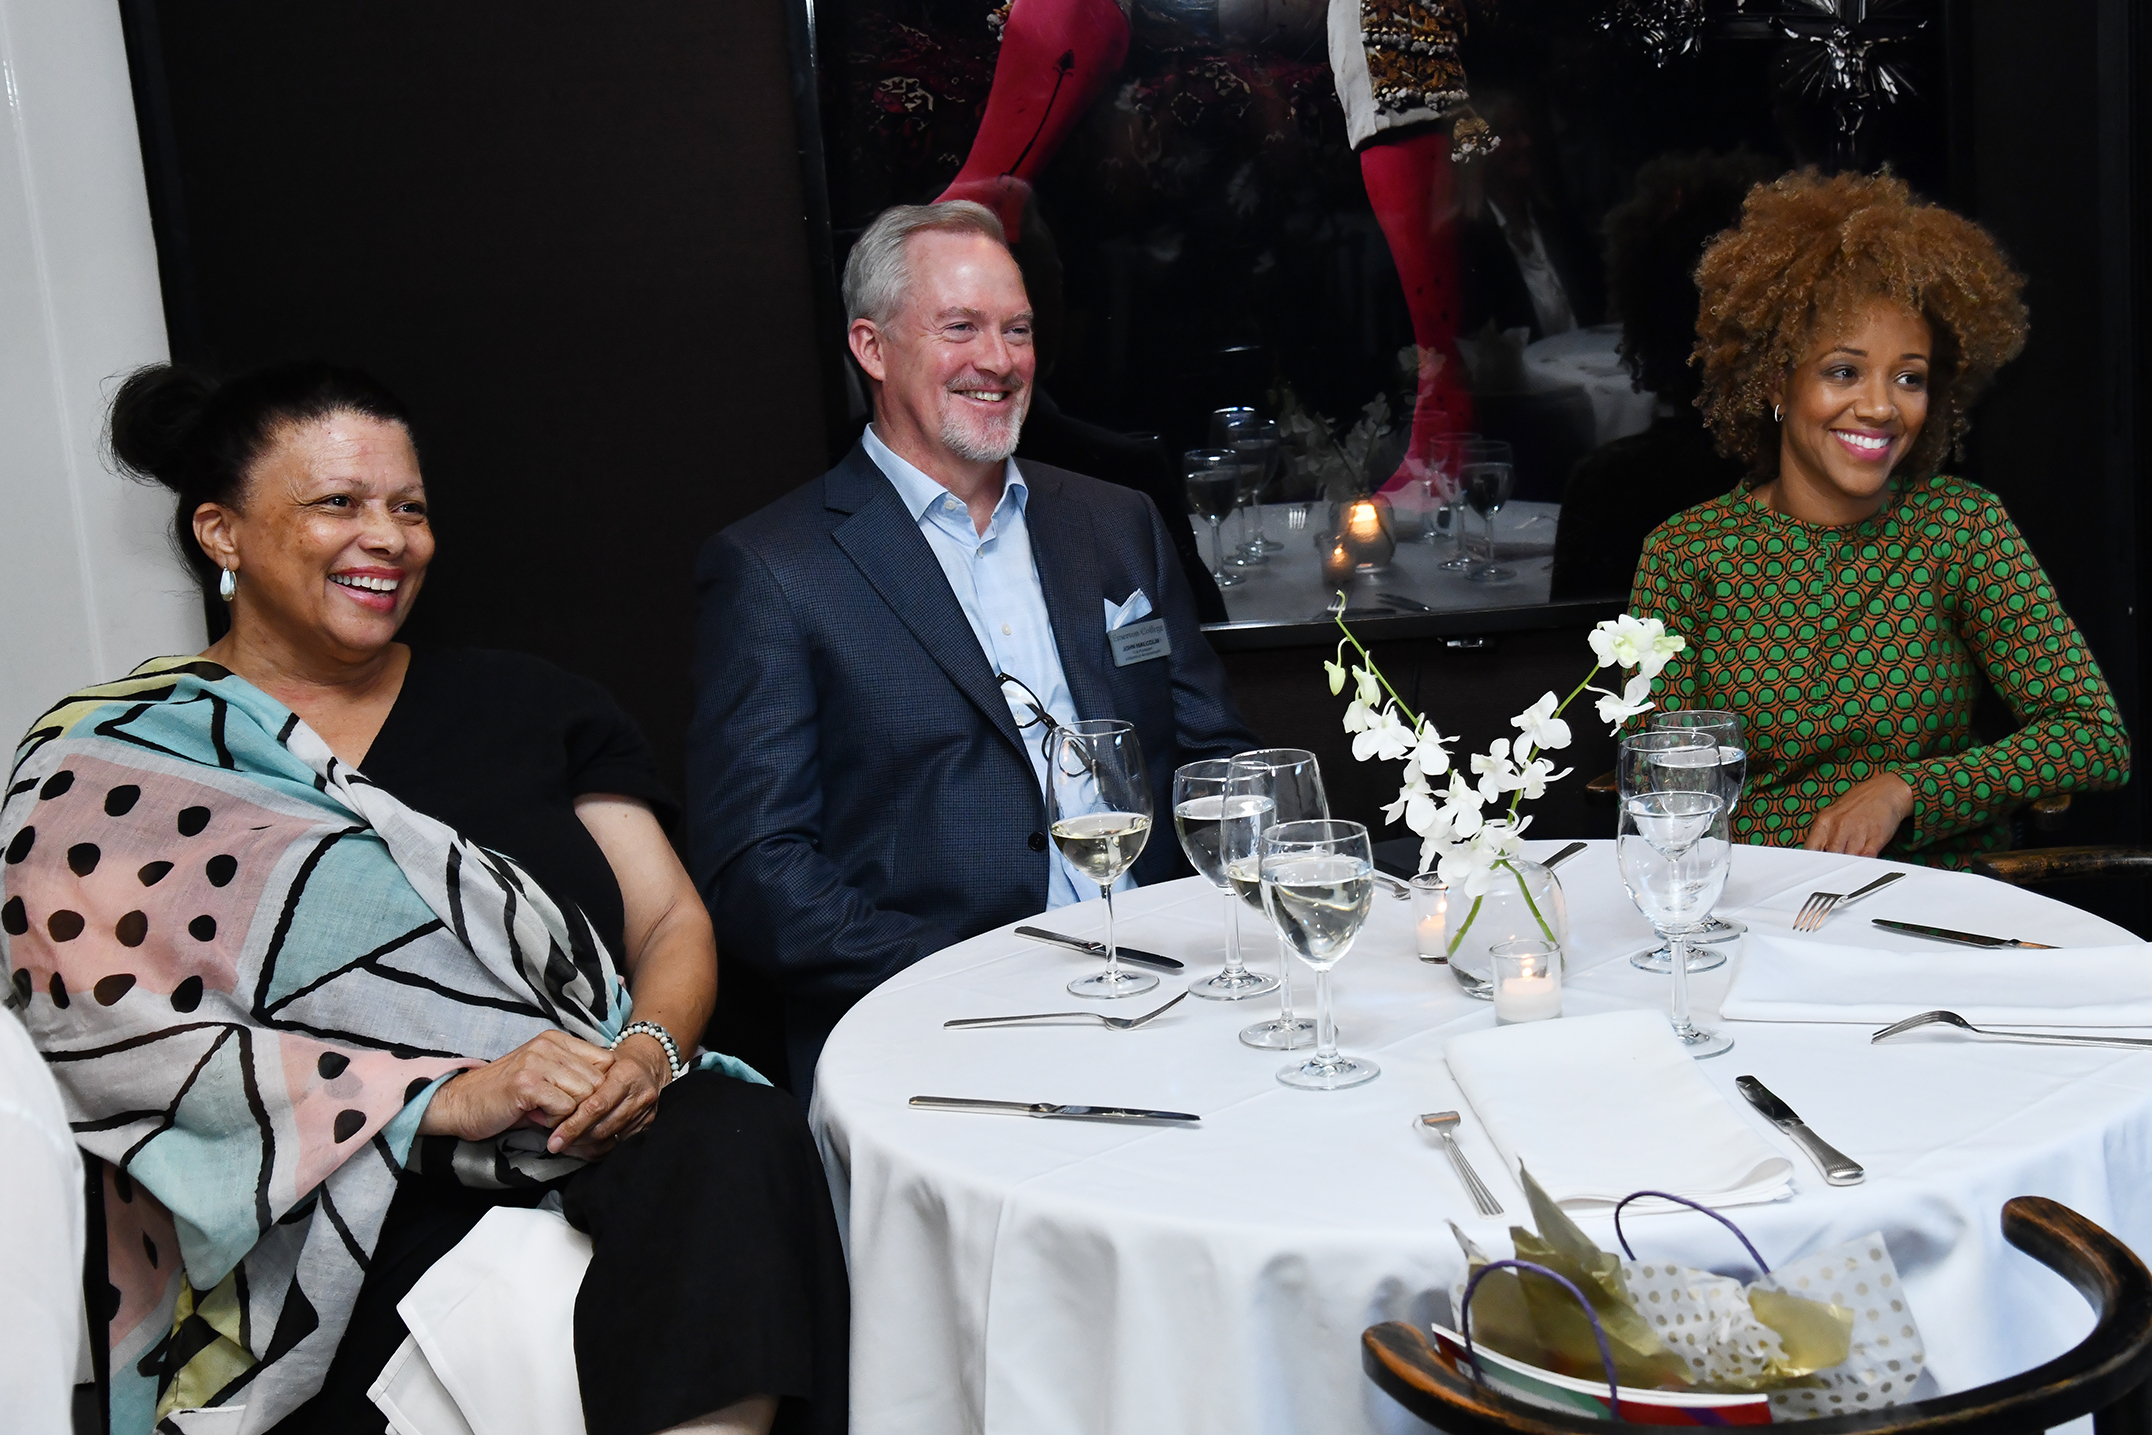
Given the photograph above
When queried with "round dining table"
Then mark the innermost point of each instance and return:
(1031, 1277)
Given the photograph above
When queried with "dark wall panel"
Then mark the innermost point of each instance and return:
(571, 236)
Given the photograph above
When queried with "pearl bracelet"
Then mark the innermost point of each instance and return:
(673, 1063)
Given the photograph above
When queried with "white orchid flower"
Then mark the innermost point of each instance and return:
(1336, 673)
(1359, 717)
(1432, 755)
(1540, 726)
(1617, 708)
(1497, 773)
(1389, 739)
(1533, 778)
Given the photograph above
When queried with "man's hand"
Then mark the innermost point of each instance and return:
(541, 1083)
(621, 1106)
(1863, 820)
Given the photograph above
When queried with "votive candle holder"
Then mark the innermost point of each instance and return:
(1431, 917)
(1527, 981)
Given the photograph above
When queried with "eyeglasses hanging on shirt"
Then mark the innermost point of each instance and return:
(1043, 720)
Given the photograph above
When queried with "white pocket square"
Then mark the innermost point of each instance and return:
(1135, 608)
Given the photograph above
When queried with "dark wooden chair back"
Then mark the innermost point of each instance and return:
(2035, 865)
(2104, 1375)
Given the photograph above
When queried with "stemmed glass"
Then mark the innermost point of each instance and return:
(1098, 807)
(1225, 425)
(1293, 782)
(1487, 487)
(1668, 760)
(1213, 476)
(1318, 881)
(1451, 454)
(1215, 828)
(1257, 442)
(1674, 851)
(1723, 728)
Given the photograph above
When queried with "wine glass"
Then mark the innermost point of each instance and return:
(1450, 454)
(1213, 488)
(1225, 425)
(1318, 882)
(1674, 850)
(1487, 487)
(1098, 807)
(1668, 760)
(1215, 828)
(1257, 442)
(1725, 729)
(1293, 782)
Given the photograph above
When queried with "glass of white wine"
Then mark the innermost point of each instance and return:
(1318, 882)
(1215, 827)
(1673, 850)
(1098, 807)
(1292, 781)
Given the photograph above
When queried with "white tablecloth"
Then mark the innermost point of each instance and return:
(1036, 1277)
(1590, 359)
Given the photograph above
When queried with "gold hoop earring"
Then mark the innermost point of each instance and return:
(228, 584)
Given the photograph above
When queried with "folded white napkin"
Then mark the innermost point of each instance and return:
(1782, 979)
(1602, 1106)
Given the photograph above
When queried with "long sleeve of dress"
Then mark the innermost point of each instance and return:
(2070, 735)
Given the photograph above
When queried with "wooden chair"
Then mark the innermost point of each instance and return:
(2104, 1376)
(2034, 865)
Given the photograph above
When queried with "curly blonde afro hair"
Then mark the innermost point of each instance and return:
(1811, 253)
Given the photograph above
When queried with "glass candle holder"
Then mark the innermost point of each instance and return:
(1431, 917)
(1527, 981)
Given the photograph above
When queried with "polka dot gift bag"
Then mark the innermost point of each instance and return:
(1828, 1334)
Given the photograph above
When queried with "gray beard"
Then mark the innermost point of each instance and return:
(987, 443)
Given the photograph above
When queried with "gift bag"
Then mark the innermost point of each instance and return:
(1828, 1334)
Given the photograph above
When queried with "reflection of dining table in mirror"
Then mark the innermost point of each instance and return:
(1289, 586)
(1590, 359)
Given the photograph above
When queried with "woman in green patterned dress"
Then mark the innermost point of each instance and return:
(1848, 599)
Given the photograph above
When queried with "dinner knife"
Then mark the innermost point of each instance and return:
(1968, 939)
(1098, 949)
(1838, 1168)
(1047, 1108)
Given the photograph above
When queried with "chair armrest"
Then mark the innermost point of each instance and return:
(2064, 864)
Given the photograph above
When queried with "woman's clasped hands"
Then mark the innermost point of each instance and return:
(588, 1097)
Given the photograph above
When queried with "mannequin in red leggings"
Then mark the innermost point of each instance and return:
(1397, 76)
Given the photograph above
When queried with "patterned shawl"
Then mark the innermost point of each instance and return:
(243, 962)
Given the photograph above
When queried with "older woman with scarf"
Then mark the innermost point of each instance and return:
(1849, 598)
(319, 935)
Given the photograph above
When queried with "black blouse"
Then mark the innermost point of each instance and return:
(499, 745)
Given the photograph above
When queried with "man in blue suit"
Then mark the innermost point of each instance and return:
(865, 768)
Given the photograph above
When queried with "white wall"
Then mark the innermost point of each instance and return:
(88, 585)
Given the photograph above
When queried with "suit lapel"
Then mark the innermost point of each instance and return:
(1063, 547)
(886, 544)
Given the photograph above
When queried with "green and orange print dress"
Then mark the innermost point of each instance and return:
(1854, 651)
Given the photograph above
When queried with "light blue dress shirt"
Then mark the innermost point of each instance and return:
(996, 582)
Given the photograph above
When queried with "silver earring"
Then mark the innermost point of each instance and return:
(227, 584)
(1778, 413)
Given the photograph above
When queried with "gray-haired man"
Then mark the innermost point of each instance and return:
(862, 788)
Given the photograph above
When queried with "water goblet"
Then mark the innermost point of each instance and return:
(1098, 808)
(1662, 759)
(1292, 781)
(1213, 476)
(1449, 455)
(1674, 850)
(1217, 827)
(1725, 729)
(1318, 883)
(1258, 443)
(1487, 487)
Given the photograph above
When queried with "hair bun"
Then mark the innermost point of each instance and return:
(154, 414)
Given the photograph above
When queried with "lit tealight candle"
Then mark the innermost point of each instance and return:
(1362, 521)
(1527, 981)
(1431, 917)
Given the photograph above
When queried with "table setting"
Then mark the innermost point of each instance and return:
(1150, 1222)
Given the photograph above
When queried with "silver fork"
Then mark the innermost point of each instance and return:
(1445, 1123)
(1395, 886)
(1819, 906)
(2036, 1038)
(1118, 1023)
(1297, 516)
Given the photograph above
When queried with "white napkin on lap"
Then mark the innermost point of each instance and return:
(1779, 979)
(1602, 1106)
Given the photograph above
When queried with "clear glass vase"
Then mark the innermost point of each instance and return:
(1525, 901)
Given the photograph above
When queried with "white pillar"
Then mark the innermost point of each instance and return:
(88, 583)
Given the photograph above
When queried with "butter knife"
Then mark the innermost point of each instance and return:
(1966, 939)
(1098, 949)
(1838, 1168)
(1047, 1108)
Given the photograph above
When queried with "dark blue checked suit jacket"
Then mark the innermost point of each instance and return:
(858, 796)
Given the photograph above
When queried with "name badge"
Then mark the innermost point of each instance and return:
(1140, 642)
